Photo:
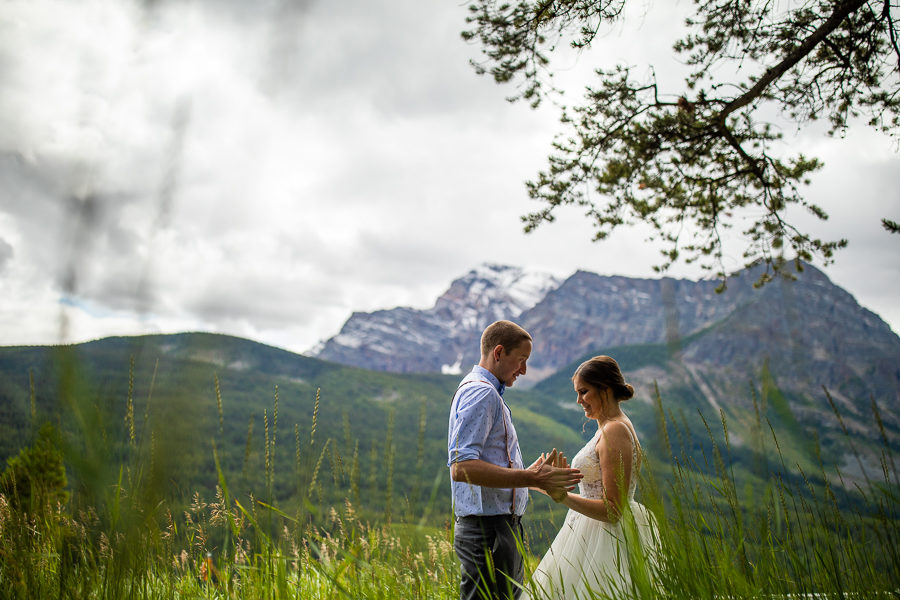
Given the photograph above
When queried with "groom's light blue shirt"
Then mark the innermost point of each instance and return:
(477, 417)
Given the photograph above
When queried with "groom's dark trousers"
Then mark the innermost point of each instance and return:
(489, 556)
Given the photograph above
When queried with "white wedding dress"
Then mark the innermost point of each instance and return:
(591, 558)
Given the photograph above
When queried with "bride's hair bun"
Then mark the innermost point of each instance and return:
(603, 372)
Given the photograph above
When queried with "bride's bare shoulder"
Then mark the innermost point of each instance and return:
(616, 436)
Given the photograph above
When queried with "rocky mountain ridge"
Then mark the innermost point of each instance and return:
(566, 317)
(806, 339)
(406, 340)
(591, 311)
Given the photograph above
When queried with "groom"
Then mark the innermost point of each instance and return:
(489, 481)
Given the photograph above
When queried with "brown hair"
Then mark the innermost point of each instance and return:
(502, 333)
(603, 372)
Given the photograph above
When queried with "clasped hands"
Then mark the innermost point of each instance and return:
(554, 476)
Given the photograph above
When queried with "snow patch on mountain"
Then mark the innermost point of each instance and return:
(455, 368)
(444, 337)
(491, 292)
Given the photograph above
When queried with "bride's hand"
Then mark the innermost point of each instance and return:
(537, 463)
(560, 462)
(559, 495)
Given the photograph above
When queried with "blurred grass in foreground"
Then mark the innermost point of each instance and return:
(117, 535)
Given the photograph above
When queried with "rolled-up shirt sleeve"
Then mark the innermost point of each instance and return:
(474, 417)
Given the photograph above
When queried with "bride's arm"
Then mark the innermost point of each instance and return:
(615, 453)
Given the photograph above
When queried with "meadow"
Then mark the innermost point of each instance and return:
(83, 518)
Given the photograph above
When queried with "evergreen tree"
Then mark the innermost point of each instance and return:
(36, 478)
(692, 161)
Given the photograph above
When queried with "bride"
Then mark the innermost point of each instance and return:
(607, 544)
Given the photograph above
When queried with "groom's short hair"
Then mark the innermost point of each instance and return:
(503, 333)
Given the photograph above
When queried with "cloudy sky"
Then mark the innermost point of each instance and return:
(266, 168)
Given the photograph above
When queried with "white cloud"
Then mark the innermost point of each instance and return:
(264, 169)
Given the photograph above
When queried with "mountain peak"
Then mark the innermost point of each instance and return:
(444, 337)
(491, 292)
(588, 313)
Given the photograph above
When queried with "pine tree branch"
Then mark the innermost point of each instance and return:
(841, 12)
(892, 31)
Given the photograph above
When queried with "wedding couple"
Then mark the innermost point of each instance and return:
(590, 554)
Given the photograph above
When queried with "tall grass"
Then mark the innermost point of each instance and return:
(783, 534)
(123, 538)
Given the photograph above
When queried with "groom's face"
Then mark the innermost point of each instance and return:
(513, 363)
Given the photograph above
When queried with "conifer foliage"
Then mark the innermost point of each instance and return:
(35, 480)
(705, 157)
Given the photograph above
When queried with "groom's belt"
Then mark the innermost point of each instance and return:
(490, 519)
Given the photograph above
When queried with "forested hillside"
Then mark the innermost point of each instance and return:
(377, 439)
(303, 434)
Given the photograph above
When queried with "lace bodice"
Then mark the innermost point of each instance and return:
(588, 463)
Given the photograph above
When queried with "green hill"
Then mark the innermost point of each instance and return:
(303, 434)
(765, 439)
(385, 433)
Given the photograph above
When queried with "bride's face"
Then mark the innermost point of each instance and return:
(589, 398)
